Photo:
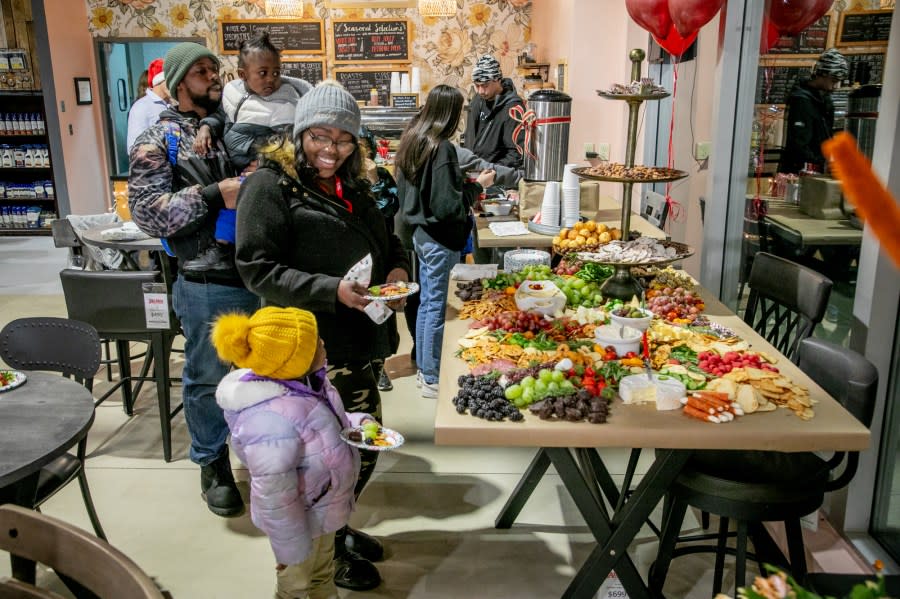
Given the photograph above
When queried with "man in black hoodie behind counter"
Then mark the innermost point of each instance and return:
(489, 128)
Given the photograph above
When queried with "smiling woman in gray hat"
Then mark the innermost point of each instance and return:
(304, 219)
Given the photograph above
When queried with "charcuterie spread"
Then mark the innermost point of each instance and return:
(546, 342)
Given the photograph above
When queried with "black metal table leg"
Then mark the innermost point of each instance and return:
(523, 490)
(597, 521)
(612, 553)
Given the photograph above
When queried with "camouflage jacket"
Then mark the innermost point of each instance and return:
(173, 193)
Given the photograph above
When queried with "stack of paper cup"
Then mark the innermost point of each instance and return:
(395, 82)
(571, 198)
(416, 80)
(550, 204)
(404, 83)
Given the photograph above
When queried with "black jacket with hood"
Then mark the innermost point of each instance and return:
(489, 129)
(809, 121)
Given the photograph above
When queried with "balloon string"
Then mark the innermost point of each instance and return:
(674, 208)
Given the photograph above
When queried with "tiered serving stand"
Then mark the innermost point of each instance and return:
(622, 285)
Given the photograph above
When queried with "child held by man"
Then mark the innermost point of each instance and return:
(260, 103)
(285, 419)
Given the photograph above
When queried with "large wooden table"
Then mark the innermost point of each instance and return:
(571, 448)
(609, 213)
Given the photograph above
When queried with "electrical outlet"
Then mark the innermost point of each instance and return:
(603, 151)
(589, 149)
(701, 150)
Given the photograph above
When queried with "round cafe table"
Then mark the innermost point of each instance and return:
(42, 420)
(94, 236)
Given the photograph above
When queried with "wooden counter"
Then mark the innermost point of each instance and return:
(609, 213)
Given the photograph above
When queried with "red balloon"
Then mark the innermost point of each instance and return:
(769, 36)
(690, 15)
(674, 43)
(793, 16)
(652, 15)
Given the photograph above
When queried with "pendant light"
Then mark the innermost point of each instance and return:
(437, 8)
(284, 8)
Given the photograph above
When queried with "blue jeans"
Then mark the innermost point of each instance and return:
(197, 306)
(435, 262)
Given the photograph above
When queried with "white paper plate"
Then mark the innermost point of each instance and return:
(18, 380)
(393, 437)
(411, 288)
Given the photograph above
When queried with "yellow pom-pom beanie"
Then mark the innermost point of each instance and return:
(276, 342)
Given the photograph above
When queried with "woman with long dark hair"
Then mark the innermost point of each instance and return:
(305, 217)
(436, 201)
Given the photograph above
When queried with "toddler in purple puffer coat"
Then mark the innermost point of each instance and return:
(285, 419)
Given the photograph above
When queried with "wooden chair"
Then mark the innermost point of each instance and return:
(751, 487)
(71, 348)
(113, 302)
(91, 563)
(786, 301)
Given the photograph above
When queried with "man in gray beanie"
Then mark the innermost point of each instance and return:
(489, 128)
(809, 117)
(176, 195)
(306, 217)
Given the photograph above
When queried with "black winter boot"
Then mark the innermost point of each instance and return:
(351, 570)
(218, 489)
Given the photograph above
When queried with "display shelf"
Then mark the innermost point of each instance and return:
(25, 232)
(26, 102)
(623, 285)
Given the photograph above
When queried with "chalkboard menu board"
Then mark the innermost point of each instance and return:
(406, 101)
(812, 40)
(305, 36)
(865, 68)
(372, 40)
(773, 84)
(312, 71)
(359, 82)
(869, 28)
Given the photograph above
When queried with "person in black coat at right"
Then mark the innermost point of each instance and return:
(810, 115)
(489, 128)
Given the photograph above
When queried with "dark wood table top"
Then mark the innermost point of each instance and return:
(41, 420)
(94, 236)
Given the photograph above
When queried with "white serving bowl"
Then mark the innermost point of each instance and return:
(540, 296)
(623, 339)
(641, 324)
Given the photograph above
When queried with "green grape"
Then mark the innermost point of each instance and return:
(371, 427)
(527, 382)
(520, 402)
(545, 374)
(513, 392)
(552, 387)
(540, 386)
(528, 395)
(557, 376)
(567, 386)
(578, 283)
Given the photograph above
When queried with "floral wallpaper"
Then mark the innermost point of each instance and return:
(444, 48)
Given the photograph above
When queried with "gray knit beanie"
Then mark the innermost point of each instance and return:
(486, 69)
(327, 105)
(179, 60)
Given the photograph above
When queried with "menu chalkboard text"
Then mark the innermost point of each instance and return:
(302, 36)
(408, 101)
(311, 71)
(372, 40)
(774, 84)
(360, 82)
(868, 28)
(812, 40)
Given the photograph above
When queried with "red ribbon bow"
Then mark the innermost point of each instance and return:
(528, 122)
